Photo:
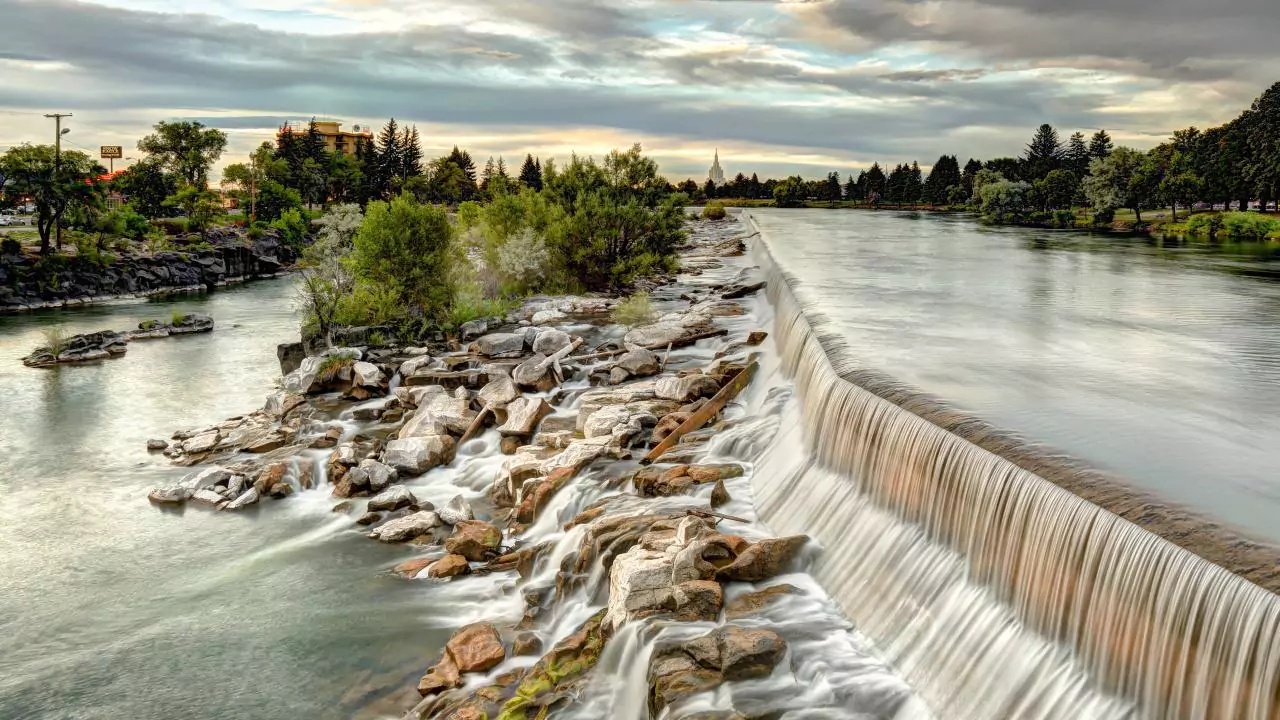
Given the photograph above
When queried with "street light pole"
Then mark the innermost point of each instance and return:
(57, 159)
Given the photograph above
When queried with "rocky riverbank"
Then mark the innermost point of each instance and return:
(110, 343)
(587, 485)
(225, 256)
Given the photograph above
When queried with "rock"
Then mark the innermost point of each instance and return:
(208, 497)
(172, 495)
(271, 476)
(473, 329)
(536, 373)
(366, 375)
(408, 527)
(500, 345)
(393, 498)
(417, 455)
(726, 654)
(201, 443)
(156, 445)
(657, 334)
(309, 377)
(498, 392)
(436, 406)
(328, 440)
(413, 365)
(543, 317)
(369, 518)
(476, 648)
(457, 510)
(290, 356)
(549, 341)
(523, 415)
(719, 495)
(687, 388)
(764, 559)
(192, 323)
(509, 445)
(411, 568)
(265, 443)
(282, 403)
(245, 499)
(449, 566)
(756, 337)
(444, 676)
(753, 602)
(379, 475)
(639, 362)
(474, 540)
(206, 478)
(748, 653)
(526, 643)
(697, 601)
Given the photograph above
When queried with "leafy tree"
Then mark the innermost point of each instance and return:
(462, 159)
(56, 185)
(1043, 154)
(345, 176)
(531, 174)
(984, 177)
(876, 184)
(186, 148)
(146, 185)
(1100, 145)
(403, 248)
(248, 179)
(448, 183)
(274, 199)
(293, 227)
(1076, 156)
(1262, 136)
(1181, 189)
(1120, 180)
(200, 205)
(1058, 189)
(790, 192)
(326, 276)
(1004, 201)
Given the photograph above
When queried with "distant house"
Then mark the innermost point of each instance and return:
(336, 140)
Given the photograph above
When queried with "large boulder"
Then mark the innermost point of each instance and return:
(455, 511)
(549, 341)
(379, 475)
(764, 559)
(500, 345)
(680, 670)
(417, 455)
(474, 540)
(408, 527)
(366, 375)
(437, 407)
(191, 323)
(414, 364)
(537, 373)
(393, 498)
(315, 373)
(657, 334)
(523, 416)
(687, 388)
(498, 392)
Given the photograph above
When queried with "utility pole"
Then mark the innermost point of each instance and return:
(57, 160)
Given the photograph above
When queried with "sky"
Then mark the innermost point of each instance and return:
(778, 86)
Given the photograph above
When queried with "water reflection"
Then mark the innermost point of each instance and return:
(1157, 359)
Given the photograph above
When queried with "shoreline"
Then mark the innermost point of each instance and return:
(128, 298)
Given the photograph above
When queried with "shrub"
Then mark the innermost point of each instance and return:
(157, 241)
(1104, 217)
(1064, 219)
(55, 339)
(524, 261)
(404, 249)
(713, 211)
(1204, 224)
(170, 226)
(176, 317)
(1248, 225)
(1004, 201)
(377, 339)
(633, 311)
(293, 227)
(331, 365)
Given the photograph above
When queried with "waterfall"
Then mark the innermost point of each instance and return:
(995, 591)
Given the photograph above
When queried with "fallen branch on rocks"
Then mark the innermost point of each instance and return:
(712, 515)
(682, 342)
(704, 415)
(476, 426)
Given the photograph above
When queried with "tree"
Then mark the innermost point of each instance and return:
(832, 188)
(971, 169)
(1120, 180)
(462, 159)
(313, 147)
(385, 161)
(790, 192)
(1005, 201)
(1100, 145)
(984, 177)
(1076, 156)
(1010, 168)
(851, 187)
(913, 184)
(944, 175)
(326, 276)
(410, 154)
(146, 185)
(56, 185)
(1058, 189)
(1181, 189)
(200, 205)
(1043, 154)
(1262, 135)
(403, 248)
(531, 174)
(896, 185)
(875, 187)
(448, 184)
(186, 148)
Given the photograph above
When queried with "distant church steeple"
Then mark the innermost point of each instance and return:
(715, 174)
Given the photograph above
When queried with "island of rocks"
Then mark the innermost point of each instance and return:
(110, 343)
(610, 431)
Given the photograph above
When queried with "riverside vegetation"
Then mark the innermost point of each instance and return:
(527, 437)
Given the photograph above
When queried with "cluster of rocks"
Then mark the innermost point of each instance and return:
(109, 343)
(27, 283)
(420, 405)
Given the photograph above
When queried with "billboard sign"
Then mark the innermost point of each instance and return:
(112, 152)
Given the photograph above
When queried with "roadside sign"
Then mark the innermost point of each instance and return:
(112, 152)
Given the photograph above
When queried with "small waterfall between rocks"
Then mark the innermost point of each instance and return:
(995, 592)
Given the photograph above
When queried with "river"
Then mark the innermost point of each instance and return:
(1160, 363)
(112, 608)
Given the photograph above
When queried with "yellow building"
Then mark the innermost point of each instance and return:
(336, 140)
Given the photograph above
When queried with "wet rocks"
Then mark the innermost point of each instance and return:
(156, 445)
(392, 498)
(743, 290)
(474, 540)
(500, 345)
(536, 374)
(666, 481)
(320, 373)
(523, 416)
(729, 653)
(244, 499)
(752, 603)
(764, 559)
(407, 528)
(686, 388)
(498, 392)
(451, 565)
(366, 375)
(526, 643)
(417, 455)
(548, 342)
(172, 495)
(456, 511)
(474, 648)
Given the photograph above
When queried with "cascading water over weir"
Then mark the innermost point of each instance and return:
(995, 591)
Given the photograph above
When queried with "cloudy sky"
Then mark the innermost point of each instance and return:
(779, 86)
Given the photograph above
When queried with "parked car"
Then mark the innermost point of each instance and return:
(6, 220)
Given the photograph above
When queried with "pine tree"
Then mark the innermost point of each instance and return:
(289, 149)
(387, 157)
(914, 186)
(1043, 154)
(877, 184)
(894, 185)
(530, 173)
(1100, 145)
(313, 144)
(486, 177)
(410, 153)
(851, 187)
(833, 188)
(462, 159)
(1076, 156)
(944, 175)
(753, 186)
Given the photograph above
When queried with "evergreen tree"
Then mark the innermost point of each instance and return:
(860, 187)
(530, 173)
(462, 160)
(313, 147)
(387, 158)
(1010, 168)
(851, 188)
(1043, 154)
(289, 149)
(1076, 157)
(895, 185)
(410, 153)
(753, 187)
(877, 184)
(486, 177)
(1100, 145)
(913, 187)
(971, 169)
(832, 188)
(944, 175)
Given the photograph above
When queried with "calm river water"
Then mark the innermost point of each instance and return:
(1161, 364)
(112, 608)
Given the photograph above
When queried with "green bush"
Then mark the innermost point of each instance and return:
(331, 365)
(713, 211)
(55, 339)
(170, 226)
(1104, 217)
(1064, 219)
(633, 311)
(1204, 224)
(293, 226)
(1004, 201)
(403, 248)
(1248, 225)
